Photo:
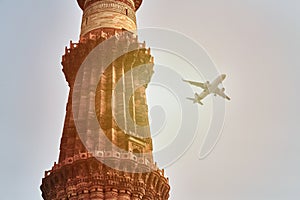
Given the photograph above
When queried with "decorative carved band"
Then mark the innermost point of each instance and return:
(129, 3)
(108, 14)
(116, 6)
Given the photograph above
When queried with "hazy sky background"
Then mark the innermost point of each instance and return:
(256, 43)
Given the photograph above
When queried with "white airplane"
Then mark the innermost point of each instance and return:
(208, 88)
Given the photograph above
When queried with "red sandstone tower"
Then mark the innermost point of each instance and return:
(110, 157)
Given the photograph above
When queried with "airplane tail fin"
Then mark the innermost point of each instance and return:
(198, 99)
(192, 99)
(195, 100)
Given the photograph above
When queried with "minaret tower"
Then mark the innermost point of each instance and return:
(114, 159)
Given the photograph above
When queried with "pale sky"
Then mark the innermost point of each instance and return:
(256, 43)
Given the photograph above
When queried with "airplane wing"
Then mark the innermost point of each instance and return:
(198, 84)
(221, 93)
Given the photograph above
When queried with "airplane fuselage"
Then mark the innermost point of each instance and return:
(214, 85)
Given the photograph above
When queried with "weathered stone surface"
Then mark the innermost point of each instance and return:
(108, 14)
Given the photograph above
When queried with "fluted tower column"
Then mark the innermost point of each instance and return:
(82, 170)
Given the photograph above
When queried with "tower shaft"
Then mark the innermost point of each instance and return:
(113, 160)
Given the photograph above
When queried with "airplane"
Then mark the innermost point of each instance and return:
(208, 88)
